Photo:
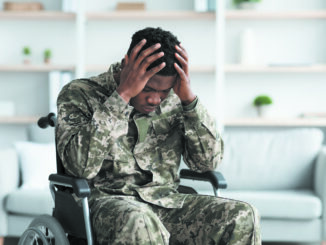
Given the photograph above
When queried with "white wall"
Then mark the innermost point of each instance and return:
(277, 42)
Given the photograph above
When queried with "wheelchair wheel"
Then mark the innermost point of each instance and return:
(44, 230)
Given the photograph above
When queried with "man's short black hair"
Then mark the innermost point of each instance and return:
(167, 41)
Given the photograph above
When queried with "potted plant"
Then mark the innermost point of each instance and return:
(246, 4)
(260, 102)
(26, 55)
(47, 56)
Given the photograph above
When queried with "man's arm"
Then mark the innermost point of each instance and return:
(203, 145)
(84, 138)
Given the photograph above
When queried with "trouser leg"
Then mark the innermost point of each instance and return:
(211, 220)
(124, 221)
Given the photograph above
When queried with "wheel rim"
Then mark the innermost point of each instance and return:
(38, 236)
(48, 235)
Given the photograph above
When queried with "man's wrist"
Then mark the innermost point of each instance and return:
(123, 95)
(188, 100)
(190, 106)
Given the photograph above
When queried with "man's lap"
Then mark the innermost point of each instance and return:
(201, 219)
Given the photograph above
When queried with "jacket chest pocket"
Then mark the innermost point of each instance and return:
(168, 133)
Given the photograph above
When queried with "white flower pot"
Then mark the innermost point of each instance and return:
(263, 111)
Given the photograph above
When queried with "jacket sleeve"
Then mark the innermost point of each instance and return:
(203, 145)
(85, 135)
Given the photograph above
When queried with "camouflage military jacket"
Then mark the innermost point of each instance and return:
(122, 152)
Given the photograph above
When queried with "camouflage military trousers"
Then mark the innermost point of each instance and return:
(201, 220)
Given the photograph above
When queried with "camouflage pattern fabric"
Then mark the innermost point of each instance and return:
(202, 220)
(120, 151)
(123, 153)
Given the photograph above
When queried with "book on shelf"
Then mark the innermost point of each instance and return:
(17, 6)
(130, 6)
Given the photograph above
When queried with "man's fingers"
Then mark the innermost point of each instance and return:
(126, 61)
(182, 51)
(150, 59)
(180, 71)
(145, 53)
(154, 70)
(136, 49)
(183, 62)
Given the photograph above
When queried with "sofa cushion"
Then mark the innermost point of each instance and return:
(37, 162)
(270, 159)
(287, 204)
(29, 202)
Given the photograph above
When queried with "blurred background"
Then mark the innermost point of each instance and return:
(256, 65)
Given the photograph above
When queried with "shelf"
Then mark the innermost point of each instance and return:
(18, 120)
(197, 69)
(36, 15)
(166, 15)
(235, 68)
(276, 122)
(127, 15)
(256, 14)
(36, 68)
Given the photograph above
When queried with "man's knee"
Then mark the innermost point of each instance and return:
(129, 223)
(247, 225)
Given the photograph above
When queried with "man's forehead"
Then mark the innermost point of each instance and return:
(159, 82)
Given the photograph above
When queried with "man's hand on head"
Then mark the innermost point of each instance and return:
(182, 86)
(134, 74)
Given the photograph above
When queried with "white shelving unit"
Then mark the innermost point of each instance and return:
(274, 15)
(149, 15)
(81, 19)
(36, 68)
(276, 122)
(36, 15)
(19, 120)
(275, 69)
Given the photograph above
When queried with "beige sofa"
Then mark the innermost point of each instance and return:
(281, 172)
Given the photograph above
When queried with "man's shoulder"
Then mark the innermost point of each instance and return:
(89, 87)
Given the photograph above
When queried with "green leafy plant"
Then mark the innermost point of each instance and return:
(261, 100)
(26, 51)
(47, 54)
(243, 1)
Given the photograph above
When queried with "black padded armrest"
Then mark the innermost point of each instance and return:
(80, 186)
(215, 178)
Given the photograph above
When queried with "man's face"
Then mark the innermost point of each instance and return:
(155, 91)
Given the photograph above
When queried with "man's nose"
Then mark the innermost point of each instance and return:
(154, 99)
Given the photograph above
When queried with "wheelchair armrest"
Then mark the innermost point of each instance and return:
(215, 178)
(79, 186)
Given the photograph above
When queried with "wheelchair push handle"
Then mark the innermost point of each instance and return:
(49, 120)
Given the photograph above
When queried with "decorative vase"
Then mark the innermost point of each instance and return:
(248, 55)
(262, 111)
(26, 59)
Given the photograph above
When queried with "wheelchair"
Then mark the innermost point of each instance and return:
(70, 222)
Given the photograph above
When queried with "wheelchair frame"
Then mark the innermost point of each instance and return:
(79, 187)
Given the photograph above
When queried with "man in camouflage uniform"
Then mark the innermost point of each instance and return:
(125, 132)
